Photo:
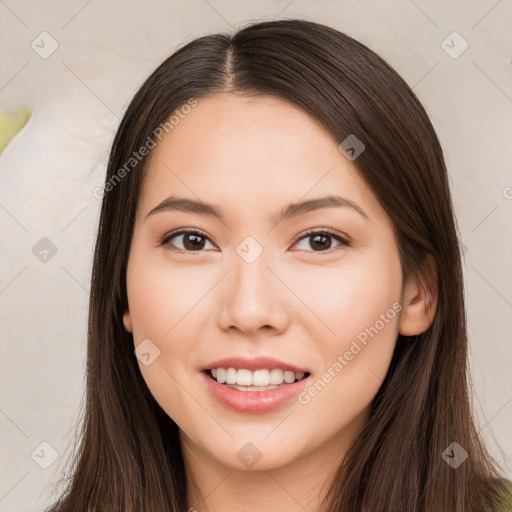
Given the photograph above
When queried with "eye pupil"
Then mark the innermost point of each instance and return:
(323, 245)
(187, 238)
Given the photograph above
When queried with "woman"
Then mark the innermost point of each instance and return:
(276, 316)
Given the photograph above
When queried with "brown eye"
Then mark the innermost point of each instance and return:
(190, 240)
(321, 241)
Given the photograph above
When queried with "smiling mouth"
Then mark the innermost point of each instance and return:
(258, 380)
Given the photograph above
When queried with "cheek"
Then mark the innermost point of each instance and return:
(346, 299)
(165, 306)
(359, 308)
(336, 401)
(165, 301)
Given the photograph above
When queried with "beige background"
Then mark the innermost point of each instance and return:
(48, 172)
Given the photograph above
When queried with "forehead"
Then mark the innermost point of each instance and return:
(250, 151)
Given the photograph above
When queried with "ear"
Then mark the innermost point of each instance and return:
(419, 304)
(127, 321)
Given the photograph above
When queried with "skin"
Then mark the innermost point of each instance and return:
(296, 302)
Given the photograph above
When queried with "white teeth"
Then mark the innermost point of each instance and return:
(221, 375)
(254, 380)
(231, 374)
(289, 377)
(250, 388)
(260, 378)
(244, 378)
(276, 376)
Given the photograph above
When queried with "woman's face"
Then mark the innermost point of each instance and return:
(272, 294)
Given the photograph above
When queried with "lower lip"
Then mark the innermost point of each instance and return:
(254, 402)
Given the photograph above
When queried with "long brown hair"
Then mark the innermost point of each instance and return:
(129, 456)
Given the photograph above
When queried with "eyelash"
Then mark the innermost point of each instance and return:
(343, 241)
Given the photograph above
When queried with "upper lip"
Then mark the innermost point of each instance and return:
(254, 363)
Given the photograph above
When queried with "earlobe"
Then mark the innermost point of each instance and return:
(127, 321)
(419, 304)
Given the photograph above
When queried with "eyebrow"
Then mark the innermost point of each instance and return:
(292, 210)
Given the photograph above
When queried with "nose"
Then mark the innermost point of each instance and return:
(253, 298)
